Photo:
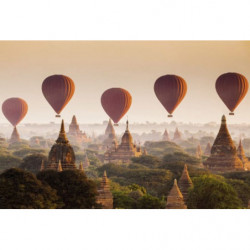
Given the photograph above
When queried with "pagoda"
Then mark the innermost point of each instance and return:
(177, 135)
(175, 198)
(125, 151)
(75, 134)
(61, 153)
(105, 197)
(198, 151)
(242, 156)
(185, 183)
(223, 156)
(165, 136)
(15, 137)
(86, 162)
(110, 137)
(208, 149)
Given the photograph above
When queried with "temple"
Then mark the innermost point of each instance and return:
(242, 156)
(125, 151)
(223, 156)
(61, 153)
(86, 162)
(165, 136)
(177, 135)
(15, 137)
(199, 151)
(75, 134)
(175, 198)
(185, 183)
(105, 197)
(110, 137)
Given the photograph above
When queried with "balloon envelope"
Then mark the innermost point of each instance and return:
(116, 102)
(14, 109)
(58, 90)
(231, 88)
(170, 91)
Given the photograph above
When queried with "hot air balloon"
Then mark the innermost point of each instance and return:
(58, 90)
(14, 109)
(170, 91)
(231, 88)
(116, 102)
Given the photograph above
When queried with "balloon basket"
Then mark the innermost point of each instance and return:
(231, 113)
(116, 124)
(170, 115)
(58, 116)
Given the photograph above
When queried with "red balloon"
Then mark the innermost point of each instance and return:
(14, 109)
(170, 91)
(116, 102)
(231, 88)
(58, 90)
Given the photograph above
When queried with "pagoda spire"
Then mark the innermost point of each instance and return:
(127, 126)
(185, 183)
(15, 137)
(175, 198)
(62, 138)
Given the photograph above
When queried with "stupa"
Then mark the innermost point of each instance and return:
(242, 156)
(223, 156)
(165, 136)
(185, 183)
(177, 135)
(175, 198)
(105, 197)
(198, 151)
(15, 137)
(110, 137)
(123, 152)
(61, 152)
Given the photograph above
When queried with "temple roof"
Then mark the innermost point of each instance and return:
(175, 191)
(127, 137)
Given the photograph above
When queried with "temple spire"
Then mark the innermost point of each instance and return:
(81, 166)
(15, 137)
(175, 198)
(62, 138)
(127, 125)
(185, 183)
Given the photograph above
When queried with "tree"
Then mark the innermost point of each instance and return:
(9, 161)
(150, 202)
(33, 163)
(212, 192)
(21, 189)
(73, 187)
(147, 160)
(27, 151)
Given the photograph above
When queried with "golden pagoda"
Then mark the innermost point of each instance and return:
(242, 156)
(223, 156)
(175, 198)
(15, 137)
(185, 183)
(105, 197)
(61, 152)
(123, 152)
(165, 136)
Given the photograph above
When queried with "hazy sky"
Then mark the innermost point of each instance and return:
(96, 66)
